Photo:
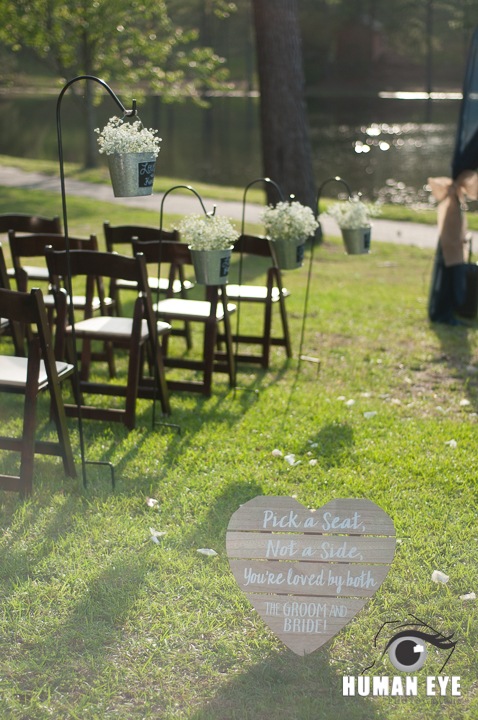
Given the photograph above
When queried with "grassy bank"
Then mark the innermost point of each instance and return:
(99, 622)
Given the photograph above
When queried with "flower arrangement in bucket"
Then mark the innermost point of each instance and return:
(353, 218)
(210, 240)
(132, 151)
(288, 225)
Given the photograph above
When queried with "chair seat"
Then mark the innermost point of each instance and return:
(13, 372)
(178, 309)
(253, 293)
(113, 328)
(153, 284)
(79, 302)
(33, 273)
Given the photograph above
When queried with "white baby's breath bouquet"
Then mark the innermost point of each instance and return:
(353, 214)
(289, 221)
(119, 137)
(208, 233)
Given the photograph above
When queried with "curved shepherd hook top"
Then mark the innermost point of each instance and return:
(126, 113)
(317, 213)
(211, 213)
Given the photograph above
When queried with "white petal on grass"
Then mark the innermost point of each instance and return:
(341, 397)
(439, 408)
(155, 539)
(314, 445)
(350, 402)
(151, 502)
(369, 414)
(396, 401)
(313, 461)
(291, 460)
(385, 396)
(276, 453)
(207, 551)
(366, 394)
(468, 596)
(451, 443)
(155, 533)
(440, 577)
(464, 402)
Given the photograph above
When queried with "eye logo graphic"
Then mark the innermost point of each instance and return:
(407, 649)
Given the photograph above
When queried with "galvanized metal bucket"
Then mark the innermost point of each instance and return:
(357, 240)
(132, 174)
(289, 253)
(211, 266)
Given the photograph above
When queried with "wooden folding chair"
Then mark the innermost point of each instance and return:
(210, 312)
(10, 327)
(30, 376)
(132, 333)
(33, 246)
(266, 295)
(21, 223)
(123, 235)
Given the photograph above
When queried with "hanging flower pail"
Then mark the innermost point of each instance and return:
(132, 174)
(289, 253)
(211, 266)
(357, 240)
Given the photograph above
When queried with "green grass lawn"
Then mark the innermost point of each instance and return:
(98, 622)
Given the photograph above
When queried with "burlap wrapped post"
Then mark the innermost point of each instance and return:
(451, 221)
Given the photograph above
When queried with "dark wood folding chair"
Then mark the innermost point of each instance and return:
(209, 312)
(33, 246)
(132, 333)
(10, 327)
(22, 223)
(267, 295)
(123, 235)
(30, 376)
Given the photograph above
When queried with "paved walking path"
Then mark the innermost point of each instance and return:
(402, 233)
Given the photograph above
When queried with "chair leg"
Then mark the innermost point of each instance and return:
(283, 313)
(228, 337)
(85, 359)
(267, 323)
(110, 359)
(210, 330)
(187, 325)
(29, 420)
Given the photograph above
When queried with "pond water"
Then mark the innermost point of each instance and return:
(368, 141)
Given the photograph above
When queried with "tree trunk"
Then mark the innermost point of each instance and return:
(286, 149)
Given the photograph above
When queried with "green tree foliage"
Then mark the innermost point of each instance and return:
(133, 43)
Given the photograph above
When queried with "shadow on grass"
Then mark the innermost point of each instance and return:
(335, 443)
(287, 687)
(457, 354)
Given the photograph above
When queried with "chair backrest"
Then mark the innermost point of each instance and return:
(104, 264)
(93, 263)
(15, 328)
(28, 246)
(24, 309)
(253, 245)
(171, 252)
(4, 281)
(20, 222)
(122, 234)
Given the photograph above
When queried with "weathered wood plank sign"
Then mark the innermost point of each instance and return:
(308, 573)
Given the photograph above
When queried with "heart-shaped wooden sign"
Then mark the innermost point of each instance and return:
(306, 572)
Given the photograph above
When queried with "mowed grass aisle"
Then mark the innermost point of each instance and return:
(97, 621)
